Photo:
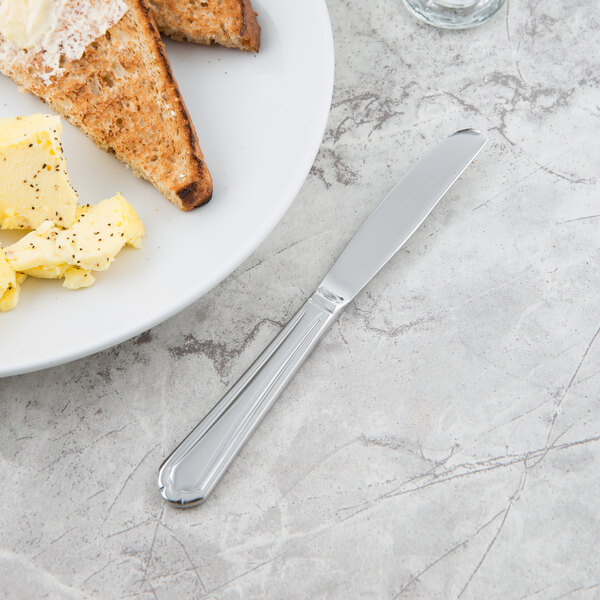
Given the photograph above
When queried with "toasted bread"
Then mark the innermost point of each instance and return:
(122, 94)
(230, 23)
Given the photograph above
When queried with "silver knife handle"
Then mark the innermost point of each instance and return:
(191, 472)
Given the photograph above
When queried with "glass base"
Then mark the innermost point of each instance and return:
(454, 14)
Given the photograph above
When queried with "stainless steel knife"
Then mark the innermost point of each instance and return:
(192, 471)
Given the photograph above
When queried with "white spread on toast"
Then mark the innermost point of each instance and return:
(48, 34)
(24, 22)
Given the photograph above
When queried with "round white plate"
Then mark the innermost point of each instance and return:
(260, 120)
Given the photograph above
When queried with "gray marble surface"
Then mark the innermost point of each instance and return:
(443, 441)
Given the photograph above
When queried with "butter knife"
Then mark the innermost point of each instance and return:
(195, 467)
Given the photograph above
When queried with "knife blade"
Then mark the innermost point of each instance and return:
(402, 212)
(195, 467)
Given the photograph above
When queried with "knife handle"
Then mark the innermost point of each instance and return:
(192, 471)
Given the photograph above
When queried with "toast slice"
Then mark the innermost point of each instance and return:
(230, 23)
(122, 94)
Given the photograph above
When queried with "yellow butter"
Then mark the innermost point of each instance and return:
(36, 250)
(10, 284)
(99, 233)
(90, 244)
(57, 272)
(34, 186)
(76, 278)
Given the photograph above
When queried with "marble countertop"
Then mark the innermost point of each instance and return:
(444, 439)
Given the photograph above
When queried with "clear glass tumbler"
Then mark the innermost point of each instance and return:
(454, 14)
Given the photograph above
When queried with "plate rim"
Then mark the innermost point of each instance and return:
(295, 183)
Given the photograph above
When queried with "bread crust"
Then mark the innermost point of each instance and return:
(199, 191)
(230, 23)
(122, 93)
(250, 27)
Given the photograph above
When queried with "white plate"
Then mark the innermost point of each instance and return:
(260, 120)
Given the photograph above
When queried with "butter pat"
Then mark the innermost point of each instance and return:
(10, 284)
(99, 233)
(76, 278)
(34, 183)
(90, 244)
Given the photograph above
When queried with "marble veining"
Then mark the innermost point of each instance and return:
(443, 441)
